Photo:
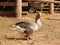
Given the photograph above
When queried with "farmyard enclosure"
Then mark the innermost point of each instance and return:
(49, 34)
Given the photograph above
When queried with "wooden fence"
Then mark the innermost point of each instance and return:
(19, 5)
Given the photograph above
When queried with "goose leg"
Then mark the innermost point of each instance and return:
(28, 34)
(27, 37)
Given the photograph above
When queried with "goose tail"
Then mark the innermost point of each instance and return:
(13, 27)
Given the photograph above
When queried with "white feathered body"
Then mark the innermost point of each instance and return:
(27, 25)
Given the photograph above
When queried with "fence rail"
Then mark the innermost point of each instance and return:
(12, 4)
(51, 7)
(58, 2)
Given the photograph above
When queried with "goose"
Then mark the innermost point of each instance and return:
(28, 27)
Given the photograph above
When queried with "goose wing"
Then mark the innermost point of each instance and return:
(24, 25)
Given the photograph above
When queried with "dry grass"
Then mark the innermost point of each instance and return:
(49, 34)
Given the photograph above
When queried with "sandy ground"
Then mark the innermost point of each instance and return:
(49, 34)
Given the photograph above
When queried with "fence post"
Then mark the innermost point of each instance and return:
(19, 8)
(52, 8)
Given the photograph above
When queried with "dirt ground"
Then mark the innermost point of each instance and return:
(49, 34)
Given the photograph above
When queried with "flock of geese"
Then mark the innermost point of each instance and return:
(28, 27)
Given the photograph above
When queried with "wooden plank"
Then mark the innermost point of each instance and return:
(58, 2)
(24, 12)
(45, 11)
(58, 11)
(12, 3)
(24, 3)
(49, 8)
(19, 8)
(52, 8)
(7, 3)
(57, 8)
(43, 8)
(54, 5)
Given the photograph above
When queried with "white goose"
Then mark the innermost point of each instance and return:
(28, 27)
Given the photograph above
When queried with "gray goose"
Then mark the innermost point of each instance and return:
(28, 27)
